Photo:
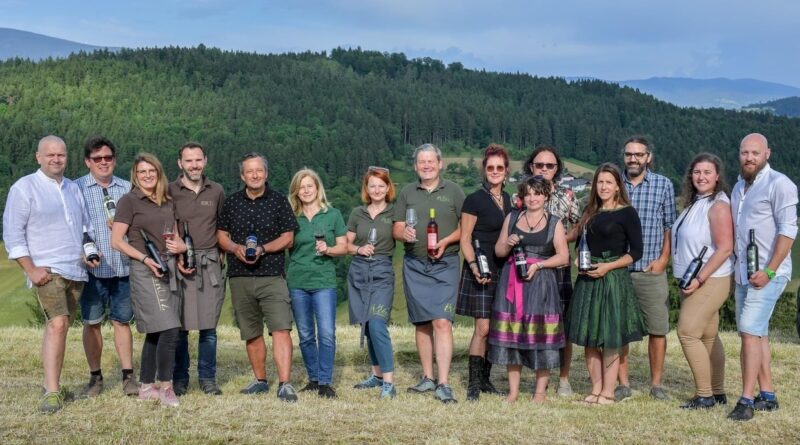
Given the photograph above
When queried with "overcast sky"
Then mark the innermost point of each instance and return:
(613, 40)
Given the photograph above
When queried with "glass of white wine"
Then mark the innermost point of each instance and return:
(372, 239)
(411, 220)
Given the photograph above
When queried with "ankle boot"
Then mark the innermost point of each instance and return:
(475, 372)
(485, 383)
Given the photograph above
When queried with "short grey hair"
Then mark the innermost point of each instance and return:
(50, 139)
(252, 155)
(430, 148)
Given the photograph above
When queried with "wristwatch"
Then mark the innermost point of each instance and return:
(770, 273)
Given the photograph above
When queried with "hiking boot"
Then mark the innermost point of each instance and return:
(424, 385)
(327, 392)
(181, 387)
(93, 388)
(312, 385)
(721, 399)
(167, 397)
(700, 403)
(372, 381)
(622, 392)
(51, 402)
(741, 412)
(486, 383)
(444, 393)
(130, 386)
(388, 391)
(658, 393)
(209, 386)
(762, 404)
(148, 392)
(564, 389)
(475, 375)
(255, 387)
(287, 393)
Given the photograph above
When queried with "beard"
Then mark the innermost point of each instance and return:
(193, 176)
(635, 169)
(750, 175)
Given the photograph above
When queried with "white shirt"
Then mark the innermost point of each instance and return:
(45, 220)
(691, 232)
(770, 207)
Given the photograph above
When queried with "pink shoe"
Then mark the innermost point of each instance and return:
(167, 397)
(148, 392)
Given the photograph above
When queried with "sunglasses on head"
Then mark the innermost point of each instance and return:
(373, 168)
(99, 159)
(544, 165)
(495, 168)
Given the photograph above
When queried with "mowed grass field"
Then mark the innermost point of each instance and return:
(359, 417)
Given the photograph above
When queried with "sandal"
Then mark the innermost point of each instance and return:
(603, 400)
(588, 400)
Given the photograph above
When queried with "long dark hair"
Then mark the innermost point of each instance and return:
(688, 192)
(526, 167)
(594, 204)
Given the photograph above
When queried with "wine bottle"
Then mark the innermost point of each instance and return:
(152, 251)
(109, 206)
(90, 248)
(520, 261)
(693, 269)
(251, 245)
(752, 255)
(188, 257)
(480, 258)
(433, 234)
(584, 254)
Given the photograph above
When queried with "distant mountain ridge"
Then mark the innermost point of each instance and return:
(788, 106)
(30, 45)
(712, 93)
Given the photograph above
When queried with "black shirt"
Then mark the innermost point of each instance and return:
(617, 232)
(489, 222)
(269, 215)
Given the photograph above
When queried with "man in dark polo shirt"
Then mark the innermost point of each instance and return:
(431, 283)
(198, 204)
(258, 287)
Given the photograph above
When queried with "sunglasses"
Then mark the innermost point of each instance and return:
(373, 168)
(99, 159)
(495, 168)
(640, 155)
(544, 165)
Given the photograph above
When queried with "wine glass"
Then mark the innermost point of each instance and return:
(372, 239)
(411, 220)
(169, 230)
(319, 235)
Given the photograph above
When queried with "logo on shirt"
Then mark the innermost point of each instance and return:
(443, 198)
(206, 203)
(386, 220)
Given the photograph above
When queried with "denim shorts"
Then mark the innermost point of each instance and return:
(101, 293)
(754, 306)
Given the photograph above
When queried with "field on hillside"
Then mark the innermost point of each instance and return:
(573, 166)
(359, 417)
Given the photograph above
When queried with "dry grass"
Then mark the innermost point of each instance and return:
(358, 417)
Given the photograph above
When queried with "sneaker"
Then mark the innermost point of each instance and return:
(167, 397)
(312, 385)
(424, 385)
(209, 386)
(658, 393)
(93, 388)
(622, 392)
(256, 387)
(762, 404)
(700, 403)
(327, 392)
(721, 399)
(444, 393)
(51, 402)
(181, 387)
(372, 382)
(564, 389)
(130, 386)
(388, 391)
(287, 393)
(741, 412)
(148, 392)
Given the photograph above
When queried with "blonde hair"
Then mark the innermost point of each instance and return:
(294, 190)
(161, 192)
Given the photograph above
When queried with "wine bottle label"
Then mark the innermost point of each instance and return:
(432, 240)
(251, 242)
(90, 249)
(483, 263)
(584, 260)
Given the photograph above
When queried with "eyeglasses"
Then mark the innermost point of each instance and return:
(544, 165)
(495, 168)
(639, 155)
(373, 168)
(99, 159)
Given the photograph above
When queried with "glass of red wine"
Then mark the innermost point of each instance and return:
(319, 235)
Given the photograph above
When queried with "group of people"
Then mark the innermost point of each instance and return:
(515, 279)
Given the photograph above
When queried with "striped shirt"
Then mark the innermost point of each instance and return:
(112, 263)
(654, 201)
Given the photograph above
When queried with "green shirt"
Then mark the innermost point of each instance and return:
(360, 223)
(306, 269)
(447, 199)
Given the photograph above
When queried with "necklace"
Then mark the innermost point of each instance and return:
(530, 228)
(497, 198)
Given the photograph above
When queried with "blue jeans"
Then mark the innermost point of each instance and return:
(379, 344)
(206, 356)
(315, 315)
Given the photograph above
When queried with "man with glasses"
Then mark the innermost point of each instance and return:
(653, 198)
(108, 288)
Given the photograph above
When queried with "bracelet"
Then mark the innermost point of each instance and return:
(770, 273)
(144, 258)
(357, 249)
(472, 262)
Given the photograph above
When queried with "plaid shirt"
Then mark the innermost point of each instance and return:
(654, 200)
(112, 263)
